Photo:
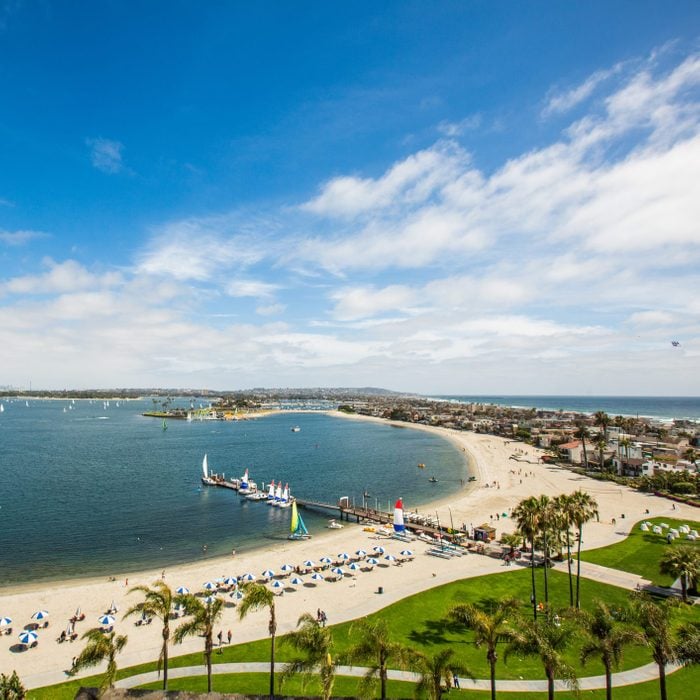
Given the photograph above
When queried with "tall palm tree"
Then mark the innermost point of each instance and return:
(583, 509)
(626, 443)
(563, 509)
(434, 670)
(682, 562)
(315, 643)
(601, 445)
(203, 618)
(157, 602)
(582, 433)
(490, 629)
(101, 647)
(655, 622)
(544, 525)
(374, 646)
(607, 638)
(602, 420)
(546, 638)
(257, 597)
(687, 646)
(526, 515)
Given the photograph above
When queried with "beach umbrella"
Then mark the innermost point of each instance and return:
(286, 568)
(28, 637)
(230, 581)
(238, 595)
(277, 584)
(317, 577)
(248, 577)
(344, 556)
(78, 612)
(40, 615)
(182, 590)
(354, 567)
(361, 553)
(390, 557)
(5, 621)
(106, 620)
(268, 573)
(378, 549)
(372, 561)
(326, 560)
(209, 586)
(309, 564)
(337, 571)
(296, 581)
(406, 553)
(210, 599)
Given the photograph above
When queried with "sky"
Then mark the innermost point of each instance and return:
(446, 198)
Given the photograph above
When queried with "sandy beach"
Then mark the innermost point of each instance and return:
(501, 483)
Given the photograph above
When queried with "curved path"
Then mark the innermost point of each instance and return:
(641, 674)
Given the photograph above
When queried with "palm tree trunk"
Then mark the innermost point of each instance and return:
(546, 557)
(608, 683)
(532, 569)
(382, 674)
(272, 667)
(493, 679)
(166, 637)
(684, 588)
(207, 655)
(662, 681)
(568, 557)
(578, 568)
(550, 685)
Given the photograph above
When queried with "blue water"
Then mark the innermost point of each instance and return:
(97, 491)
(662, 407)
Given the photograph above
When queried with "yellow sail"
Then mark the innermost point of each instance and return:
(295, 517)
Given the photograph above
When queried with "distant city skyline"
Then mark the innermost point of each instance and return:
(453, 198)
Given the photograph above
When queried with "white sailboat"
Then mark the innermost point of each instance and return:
(2, 408)
(285, 501)
(278, 495)
(271, 492)
(206, 479)
(244, 488)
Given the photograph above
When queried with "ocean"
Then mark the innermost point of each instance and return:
(660, 407)
(91, 491)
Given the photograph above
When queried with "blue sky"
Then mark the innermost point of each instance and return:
(453, 197)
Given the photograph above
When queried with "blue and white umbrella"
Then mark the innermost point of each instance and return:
(106, 620)
(230, 580)
(277, 584)
(338, 571)
(238, 595)
(268, 573)
(378, 549)
(390, 557)
(344, 556)
(361, 553)
(248, 577)
(210, 599)
(406, 553)
(326, 560)
(5, 621)
(309, 564)
(317, 577)
(40, 615)
(354, 567)
(209, 586)
(286, 568)
(296, 581)
(28, 637)
(182, 590)
(372, 561)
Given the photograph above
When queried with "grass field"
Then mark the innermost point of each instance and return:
(641, 552)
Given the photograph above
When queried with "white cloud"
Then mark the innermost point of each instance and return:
(68, 276)
(454, 129)
(360, 302)
(560, 102)
(17, 238)
(251, 288)
(271, 309)
(106, 155)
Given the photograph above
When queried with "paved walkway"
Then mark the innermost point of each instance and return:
(649, 672)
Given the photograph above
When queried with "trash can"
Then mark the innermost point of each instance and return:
(380, 589)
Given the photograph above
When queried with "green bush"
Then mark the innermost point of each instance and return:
(683, 487)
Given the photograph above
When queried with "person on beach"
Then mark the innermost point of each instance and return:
(229, 636)
(221, 637)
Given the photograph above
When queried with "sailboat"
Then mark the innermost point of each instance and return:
(285, 501)
(271, 492)
(398, 517)
(244, 488)
(165, 425)
(206, 479)
(297, 528)
(2, 408)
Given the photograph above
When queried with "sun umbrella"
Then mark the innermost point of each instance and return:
(28, 637)
(354, 567)
(268, 573)
(361, 553)
(182, 590)
(406, 553)
(238, 595)
(5, 621)
(209, 586)
(40, 615)
(372, 561)
(286, 568)
(106, 620)
(296, 581)
(309, 564)
(277, 584)
(326, 560)
(378, 549)
(210, 599)
(337, 571)
(344, 555)
(230, 580)
(317, 577)
(248, 577)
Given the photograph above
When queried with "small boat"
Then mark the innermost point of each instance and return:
(333, 525)
(206, 479)
(165, 425)
(421, 466)
(432, 480)
(257, 496)
(2, 408)
(244, 487)
(297, 528)
(296, 429)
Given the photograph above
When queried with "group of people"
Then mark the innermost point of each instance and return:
(321, 617)
(220, 637)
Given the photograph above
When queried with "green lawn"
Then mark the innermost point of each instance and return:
(419, 621)
(640, 552)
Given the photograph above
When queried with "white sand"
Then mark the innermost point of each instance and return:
(343, 600)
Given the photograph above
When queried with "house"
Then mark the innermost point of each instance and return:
(572, 451)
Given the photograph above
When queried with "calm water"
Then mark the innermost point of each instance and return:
(663, 407)
(96, 491)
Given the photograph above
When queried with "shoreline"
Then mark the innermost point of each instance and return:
(506, 473)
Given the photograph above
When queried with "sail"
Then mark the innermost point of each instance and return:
(285, 493)
(205, 467)
(278, 492)
(271, 491)
(295, 518)
(297, 526)
(244, 480)
(398, 517)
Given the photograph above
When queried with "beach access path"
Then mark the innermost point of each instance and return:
(502, 483)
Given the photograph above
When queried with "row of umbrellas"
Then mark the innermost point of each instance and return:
(28, 637)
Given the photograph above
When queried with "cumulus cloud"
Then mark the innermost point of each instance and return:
(106, 155)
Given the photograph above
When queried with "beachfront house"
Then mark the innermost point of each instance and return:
(572, 451)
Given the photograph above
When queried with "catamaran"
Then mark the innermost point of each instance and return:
(297, 528)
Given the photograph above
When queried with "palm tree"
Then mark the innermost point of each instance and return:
(11, 687)
(583, 509)
(434, 670)
(544, 524)
(687, 646)
(626, 443)
(204, 617)
(101, 646)
(563, 512)
(682, 562)
(257, 597)
(654, 621)
(603, 420)
(606, 637)
(526, 515)
(582, 433)
(315, 643)
(490, 629)
(157, 602)
(601, 445)
(690, 454)
(546, 638)
(376, 647)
